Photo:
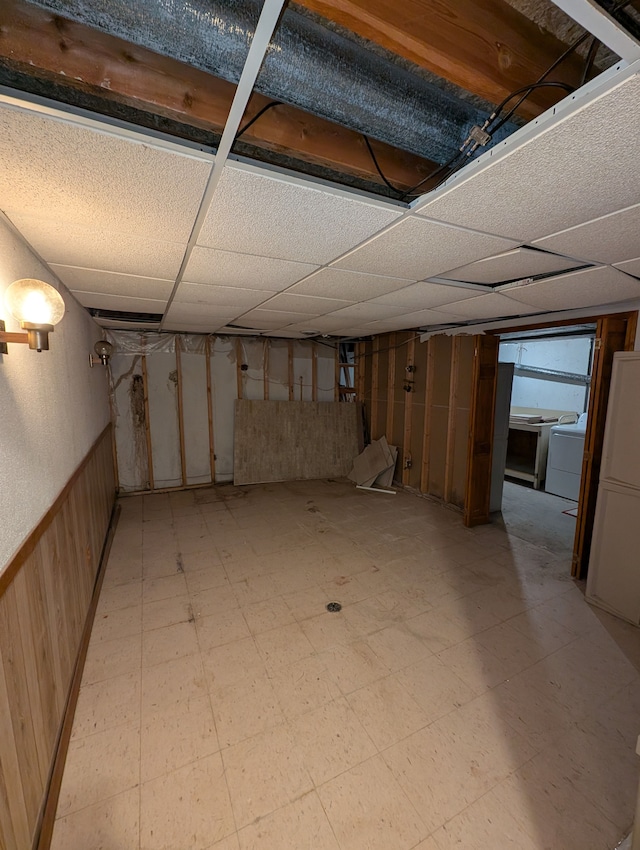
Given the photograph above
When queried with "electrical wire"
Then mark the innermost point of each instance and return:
(253, 120)
(591, 55)
(378, 169)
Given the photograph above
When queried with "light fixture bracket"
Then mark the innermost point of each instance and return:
(37, 335)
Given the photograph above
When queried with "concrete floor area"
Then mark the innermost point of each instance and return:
(464, 697)
(538, 517)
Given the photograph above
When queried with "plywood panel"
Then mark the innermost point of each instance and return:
(442, 353)
(417, 413)
(288, 441)
(44, 598)
(379, 423)
(460, 447)
(196, 416)
(162, 375)
(224, 380)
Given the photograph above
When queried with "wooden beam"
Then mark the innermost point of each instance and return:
(375, 390)
(290, 369)
(451, 423)
(46, 46)
(212, 456)
(391, 386)
(314, 371)
(408, 410)
(484, 46)
(183, 452)
(265, 367)
(428, 404)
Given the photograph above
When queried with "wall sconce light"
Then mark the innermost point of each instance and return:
(103, 350)
(38, 307)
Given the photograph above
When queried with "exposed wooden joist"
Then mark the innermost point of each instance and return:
(483, 46)
(48, 47)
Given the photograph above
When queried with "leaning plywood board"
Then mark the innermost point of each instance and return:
(291, 441)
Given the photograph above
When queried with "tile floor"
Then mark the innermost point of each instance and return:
(466, 696)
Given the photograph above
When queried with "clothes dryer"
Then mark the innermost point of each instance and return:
(564, 460)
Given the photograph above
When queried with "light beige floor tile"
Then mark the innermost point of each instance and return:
(387, 712)
(441, 629)
(331, 739)
(122, 570)
(303, 686)
(345, 589)
(177, 735)
(214, 600)
(177, 641)
(187, 808)
(283, 646)
(354, 666)
(166, 612)
(245, 708)
(171, 683)
(205, 579)
(256, 589)
(164, 563)
(201, 560)
(112, 824)
(329, 629)
(367, 808)
(515, 649)
(103, 705)
(302, 823)
(221, 627)
(397, 647)
(232, 662)
(305, 604)
(154, 589)
(264, 616)
(117, 624)
(100, 766)
(484, 824)
(475, 665)
(231, 842)
(428, 844)
(115, 597)
(435, 688)
(264, 773)
(109, 658)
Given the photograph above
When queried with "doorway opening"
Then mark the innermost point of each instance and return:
(542, 400)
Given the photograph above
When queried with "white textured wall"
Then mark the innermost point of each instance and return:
(53, 405)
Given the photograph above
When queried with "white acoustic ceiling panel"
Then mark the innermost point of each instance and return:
(267, 319)
(226, 299)
(275, 217)
(350, 286)
(581, 167)
(512, 265)
(587, 288)
(197, 314)
(366, 312)
(609, 239)
(416, 249)
(120, 302)
(304, 304)
(225, 268)
(424, 295)
(209, 327)
(109, 283)
(418, 318)
(90, 248)
(630, 267)
(493, 305)
(78, 175)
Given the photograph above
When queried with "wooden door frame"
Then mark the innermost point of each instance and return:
(472, 485)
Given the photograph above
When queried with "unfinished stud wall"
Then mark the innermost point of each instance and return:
(173, 399)
(418, 395)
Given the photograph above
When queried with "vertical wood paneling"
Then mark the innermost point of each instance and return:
(407, 463)
(45, 593)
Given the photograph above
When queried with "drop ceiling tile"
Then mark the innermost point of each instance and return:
(284, 334)
(125, 326)
(352, 286)
(417, 249)
(225, 299)
(359, 314)
(325, 324)
(225, 268)
(572, 171)
(194, 327)
(587, 288)
(109, 283)
(274, 217)
(120, 302)
(609, 239)
(423, 295)
(199, 313)
(630, 267)
(418, 318)
(304, 304)
(493, 305)
(76, 175)
(512, 265)
(267, 319)
(86, 247)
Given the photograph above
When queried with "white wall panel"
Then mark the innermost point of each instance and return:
(127, 393)
(278, 370)
(195, 409)
(224, 391)
(162, 387)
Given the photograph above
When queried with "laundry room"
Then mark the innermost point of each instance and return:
(541, 418)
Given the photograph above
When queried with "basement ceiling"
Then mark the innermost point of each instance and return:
(128, 168)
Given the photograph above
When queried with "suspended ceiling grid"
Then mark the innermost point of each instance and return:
(113, 214)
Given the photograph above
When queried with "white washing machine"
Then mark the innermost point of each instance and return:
(564, 460)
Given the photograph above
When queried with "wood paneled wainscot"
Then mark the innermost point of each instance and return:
(45, 596)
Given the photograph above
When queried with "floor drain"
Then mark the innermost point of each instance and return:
(334, 606)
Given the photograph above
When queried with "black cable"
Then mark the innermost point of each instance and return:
(258, 114)
(447, 165)
(378, 169)
(527, 91)
(588, 65)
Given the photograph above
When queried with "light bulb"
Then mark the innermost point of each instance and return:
(34, 302)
